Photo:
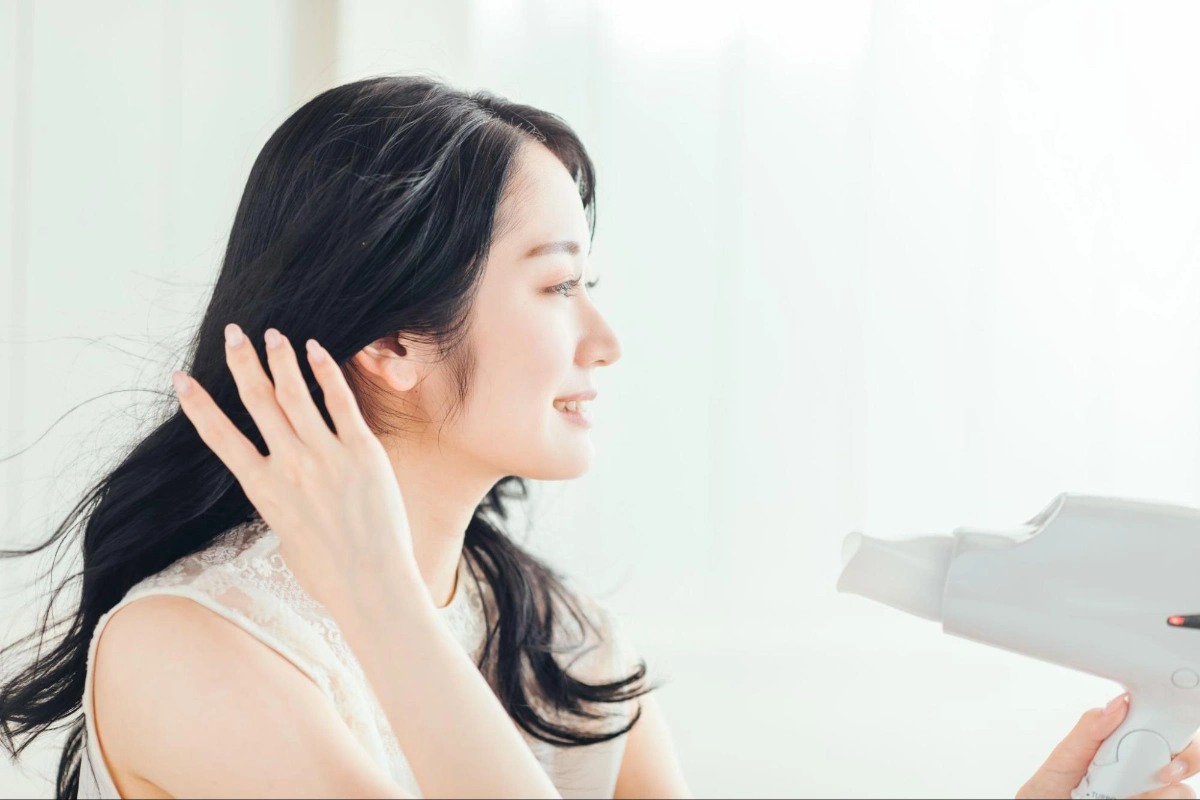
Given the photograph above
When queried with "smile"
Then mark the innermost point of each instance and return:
(575, 411)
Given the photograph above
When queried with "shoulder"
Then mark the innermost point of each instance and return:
(179, 689)
(142, 632)
(165, 656)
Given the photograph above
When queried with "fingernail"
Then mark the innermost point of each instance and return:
(314, 349)
(273, 339)
(1175, 769)
(233, 335)
(1115, 703)
(183, 384)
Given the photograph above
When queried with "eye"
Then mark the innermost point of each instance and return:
(567, 288)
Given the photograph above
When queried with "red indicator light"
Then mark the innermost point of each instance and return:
(1174, 620)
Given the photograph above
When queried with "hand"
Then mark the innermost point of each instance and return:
(1069, 762)
(332, 498)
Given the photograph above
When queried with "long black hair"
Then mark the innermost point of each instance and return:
(369, 213)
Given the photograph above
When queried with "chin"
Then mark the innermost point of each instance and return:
(560, 466)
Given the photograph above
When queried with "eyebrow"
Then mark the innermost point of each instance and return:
(552, 248)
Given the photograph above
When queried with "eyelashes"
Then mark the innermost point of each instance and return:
(567, 288)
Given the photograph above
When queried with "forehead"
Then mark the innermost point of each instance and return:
(540, 204)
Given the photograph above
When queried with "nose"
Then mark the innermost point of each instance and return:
(600, 346)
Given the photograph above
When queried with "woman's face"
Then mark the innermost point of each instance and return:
(534, 338)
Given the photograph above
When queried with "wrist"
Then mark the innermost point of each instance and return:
(384, 598)
(383, 630)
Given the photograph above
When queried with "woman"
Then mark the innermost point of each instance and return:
(299, 582)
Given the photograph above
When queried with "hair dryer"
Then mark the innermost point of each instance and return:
(1100, 584)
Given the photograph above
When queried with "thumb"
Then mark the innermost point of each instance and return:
(1069, 761)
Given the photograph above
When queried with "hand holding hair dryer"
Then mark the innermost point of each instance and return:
(1105, 585)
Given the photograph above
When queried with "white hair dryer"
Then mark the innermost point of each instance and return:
(1105, 585)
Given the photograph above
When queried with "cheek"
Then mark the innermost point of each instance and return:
(532, 344)
(533, 361)
(523, 362)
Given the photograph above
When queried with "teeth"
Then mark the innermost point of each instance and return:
(573, 405)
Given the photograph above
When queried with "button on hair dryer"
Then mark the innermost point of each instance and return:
(1100, 584)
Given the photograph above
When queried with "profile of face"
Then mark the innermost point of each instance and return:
(535, 337)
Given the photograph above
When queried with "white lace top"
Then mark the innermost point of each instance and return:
(242, 576)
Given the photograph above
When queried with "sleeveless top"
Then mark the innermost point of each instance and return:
(242, 576)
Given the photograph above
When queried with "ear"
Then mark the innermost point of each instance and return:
(394, 361)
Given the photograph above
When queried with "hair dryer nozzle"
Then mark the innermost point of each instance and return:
(909, 574)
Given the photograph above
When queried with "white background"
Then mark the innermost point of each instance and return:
(897, 267)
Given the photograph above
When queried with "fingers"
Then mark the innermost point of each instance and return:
(1184, 765)
(1074, 754)
(293, 393)
(284, 410)
(258, 393)
(1069, 761)
(342, 405)
(217, 431)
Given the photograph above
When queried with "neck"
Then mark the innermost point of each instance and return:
(440, 493)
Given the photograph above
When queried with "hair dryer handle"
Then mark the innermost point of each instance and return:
(1127, 762)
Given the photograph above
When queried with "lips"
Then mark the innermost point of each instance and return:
(588, 395)
(574, 407)
(575, 411)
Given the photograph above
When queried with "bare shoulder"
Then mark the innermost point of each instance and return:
(650, 766)
(188, 703)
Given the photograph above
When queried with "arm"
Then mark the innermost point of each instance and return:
(190, 703)
(333, 499)
(650, 767)
(457, 736)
